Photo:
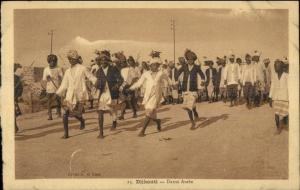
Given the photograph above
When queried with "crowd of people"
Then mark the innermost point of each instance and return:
(117, 83)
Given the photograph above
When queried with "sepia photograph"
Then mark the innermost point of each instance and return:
(150, 96)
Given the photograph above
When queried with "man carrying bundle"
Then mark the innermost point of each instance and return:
(52, 76)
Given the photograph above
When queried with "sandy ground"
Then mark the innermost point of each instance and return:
(235, 143)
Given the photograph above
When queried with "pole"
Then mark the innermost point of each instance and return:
(51, 33)
(173, 29)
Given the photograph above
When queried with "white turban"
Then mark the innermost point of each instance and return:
(256, 53)
(155, 60)
(73, 54)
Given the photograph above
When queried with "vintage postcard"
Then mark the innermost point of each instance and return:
(150, 95)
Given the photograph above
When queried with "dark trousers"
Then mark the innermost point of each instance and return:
(248, 92)
(77, 113)
(131, 100)
(232, 91)
(52, 100)
(17, 113)
(257, 97)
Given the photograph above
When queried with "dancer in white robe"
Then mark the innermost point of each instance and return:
(153, 92)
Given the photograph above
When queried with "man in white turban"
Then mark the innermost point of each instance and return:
(232, 79)
(74, 84)
(153, 92)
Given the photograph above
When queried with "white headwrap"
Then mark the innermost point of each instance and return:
(155, 60)
(256, 53)
(73, 54)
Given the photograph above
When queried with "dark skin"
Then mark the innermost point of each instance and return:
(73, 62)
(103, 62)
(52, 64)
(131, 63)
(278, 68)
(248, 60)
(255, 58)
(190, 62)
(154, 67)
(172, 65)
(145, 66)
(239, 61)
(266, 64)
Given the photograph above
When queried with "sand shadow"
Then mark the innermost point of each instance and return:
(52, 131)
(212, 120)
(48, 125)
(140, 124)
(179, 124)
(85, 132)
(143, 114)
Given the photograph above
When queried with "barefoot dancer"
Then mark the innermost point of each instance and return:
(75, 84)
(52, 77)
(153, 91)
(191, 84)
(109, 83)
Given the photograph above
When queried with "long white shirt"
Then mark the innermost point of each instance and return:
(222, 76)
(54, 73)
(248, 74)
(153, 91)
(172, 71)
(279, 87)
(129, 73)
(75, 85)
(268, 73)
(259, 71)
(232, 73)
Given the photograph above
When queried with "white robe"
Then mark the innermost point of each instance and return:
(232, 73)
(248, 74)
(54, 73)
(222, 85)
(279, 87)
(153, 91)
(75, 85)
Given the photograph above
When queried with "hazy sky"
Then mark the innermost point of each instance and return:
(262, 28)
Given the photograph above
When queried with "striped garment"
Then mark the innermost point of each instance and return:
(281, 107)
